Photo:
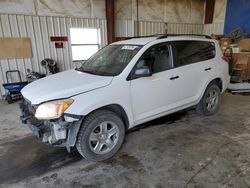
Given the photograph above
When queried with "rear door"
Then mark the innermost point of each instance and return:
(193, 62)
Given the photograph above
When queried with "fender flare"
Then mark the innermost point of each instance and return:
(72, 134)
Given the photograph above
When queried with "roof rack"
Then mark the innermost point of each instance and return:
(145, 36)
(162, 36)
(173, 35)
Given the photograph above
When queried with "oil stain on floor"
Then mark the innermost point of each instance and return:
(28, 157)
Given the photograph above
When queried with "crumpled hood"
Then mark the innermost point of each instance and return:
(63, 85)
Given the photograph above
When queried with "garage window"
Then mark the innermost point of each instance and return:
(84, 43)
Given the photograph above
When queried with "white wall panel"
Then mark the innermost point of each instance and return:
(39, 29)
(124, 28)
(215, 28)
(150, 28)
(177, 11)
(184, 28)
(17, 7)
(127, 28)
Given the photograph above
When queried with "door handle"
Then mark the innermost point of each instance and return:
(174, 78)
(207, 69)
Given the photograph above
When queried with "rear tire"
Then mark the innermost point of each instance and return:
(210, 102)
(101, 135)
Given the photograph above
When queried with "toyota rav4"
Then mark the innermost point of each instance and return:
(124, 84)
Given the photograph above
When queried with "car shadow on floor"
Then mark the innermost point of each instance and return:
(169, 119)
(29, 157)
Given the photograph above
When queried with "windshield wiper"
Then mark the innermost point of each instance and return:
(87, 71)
(78, 69)
(94, 72)
(90, 72)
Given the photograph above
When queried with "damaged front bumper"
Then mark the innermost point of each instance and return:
(57, 132)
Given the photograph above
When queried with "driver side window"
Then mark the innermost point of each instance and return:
(157, 58)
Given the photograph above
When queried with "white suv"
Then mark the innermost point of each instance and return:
(124, 84)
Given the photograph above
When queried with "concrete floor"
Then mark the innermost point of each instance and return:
(181, 150)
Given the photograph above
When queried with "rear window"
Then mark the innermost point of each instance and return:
(188, 52)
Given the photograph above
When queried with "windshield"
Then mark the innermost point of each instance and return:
(111, 60)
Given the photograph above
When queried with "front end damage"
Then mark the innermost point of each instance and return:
(60, 132)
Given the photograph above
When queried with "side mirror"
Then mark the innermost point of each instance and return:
(143, 71)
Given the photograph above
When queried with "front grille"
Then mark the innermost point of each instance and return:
(31, 108)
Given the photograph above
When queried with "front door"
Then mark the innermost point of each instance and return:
(151, 95)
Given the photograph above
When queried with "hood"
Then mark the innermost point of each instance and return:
(63, 85)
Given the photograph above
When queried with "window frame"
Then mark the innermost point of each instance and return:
(85, 44)
(171, 58)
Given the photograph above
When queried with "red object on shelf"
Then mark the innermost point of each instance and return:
(58, 38)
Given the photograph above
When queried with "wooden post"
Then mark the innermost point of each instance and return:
(209, 12)
(110, 16)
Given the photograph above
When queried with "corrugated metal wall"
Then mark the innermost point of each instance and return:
(185, 28)
(127, 28)
(215, 28)
(39, 29)
(124, 28)
(150, 28)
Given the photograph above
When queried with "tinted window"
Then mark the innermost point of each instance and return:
(187, 52)
(157, 58)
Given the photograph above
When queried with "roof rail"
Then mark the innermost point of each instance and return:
(162, 36)
(145, 36)
(175, 35)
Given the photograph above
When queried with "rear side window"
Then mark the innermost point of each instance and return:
(188, 52)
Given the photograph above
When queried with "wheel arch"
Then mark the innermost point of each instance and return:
(74, 130)
(118, 110)
(218, 81)
(200, 106)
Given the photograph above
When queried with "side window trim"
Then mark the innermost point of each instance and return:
(171, 56)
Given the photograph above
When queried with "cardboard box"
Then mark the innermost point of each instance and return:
(235, 49)
(248, 69)
(242, 58)
(216, 37)
(244, 45)
(224, 43)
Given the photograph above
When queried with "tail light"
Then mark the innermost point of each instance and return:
(225, 59)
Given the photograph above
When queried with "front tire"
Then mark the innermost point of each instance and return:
(210, 102)
(101, 135)
(8, 98)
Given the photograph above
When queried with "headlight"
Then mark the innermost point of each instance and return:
(53, 109)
